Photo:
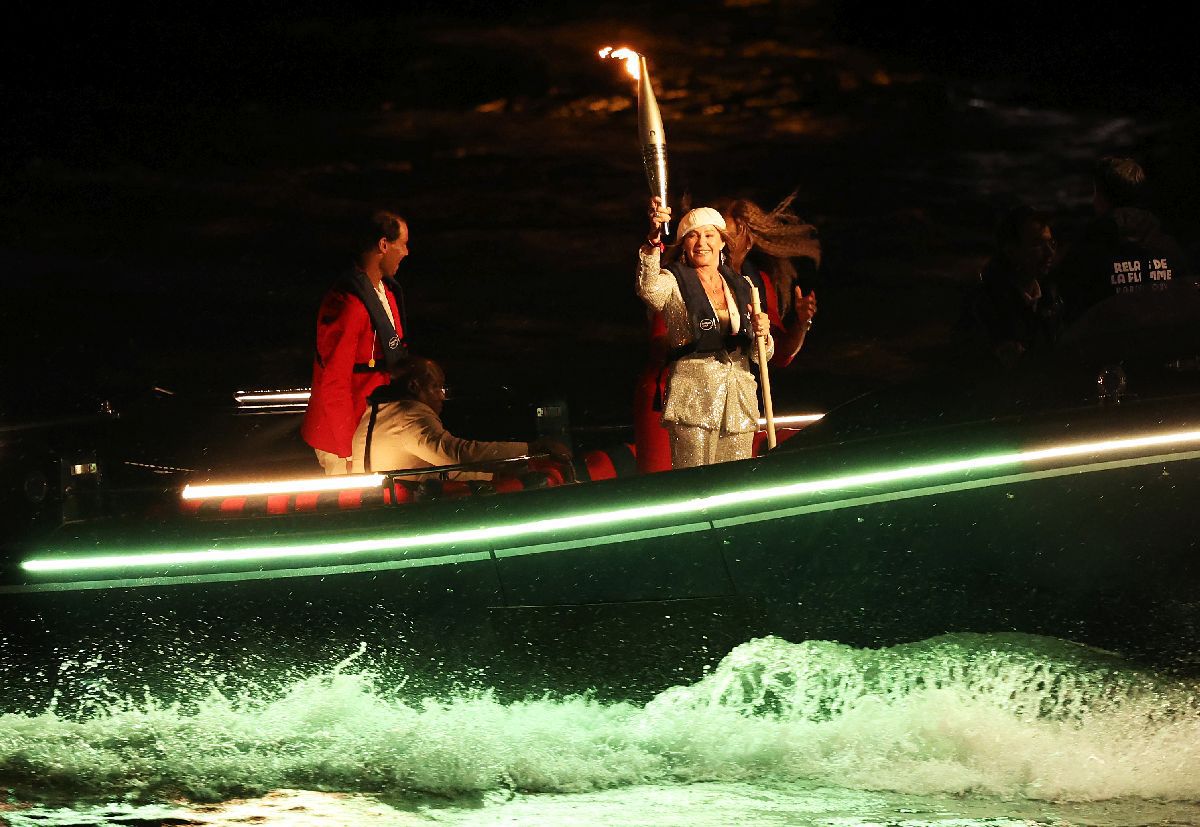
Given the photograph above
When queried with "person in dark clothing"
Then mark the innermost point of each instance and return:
(1124, 248)
(1013, 310)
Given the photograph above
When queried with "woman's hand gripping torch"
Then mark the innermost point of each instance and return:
(762, 330)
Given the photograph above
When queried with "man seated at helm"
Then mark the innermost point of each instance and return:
(402, 429)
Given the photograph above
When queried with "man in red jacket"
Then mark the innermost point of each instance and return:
(360, 337)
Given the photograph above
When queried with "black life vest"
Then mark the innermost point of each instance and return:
(390, 392)
(706, 326)
(393, 346)
(750, 271)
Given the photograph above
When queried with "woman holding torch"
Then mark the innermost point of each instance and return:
(697, 324)
(710, 408)
(766, 247)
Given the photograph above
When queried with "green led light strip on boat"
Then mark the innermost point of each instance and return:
(609, 517)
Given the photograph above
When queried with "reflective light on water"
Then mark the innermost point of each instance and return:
(293, 808)
(714, 804)
(1015, 723)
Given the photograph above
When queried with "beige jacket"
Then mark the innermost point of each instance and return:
(408, 434)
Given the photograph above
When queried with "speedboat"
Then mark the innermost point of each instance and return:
(1057, 500)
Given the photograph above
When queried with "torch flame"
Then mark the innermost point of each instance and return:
(626, 54)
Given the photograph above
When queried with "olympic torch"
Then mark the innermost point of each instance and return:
(650, 127)
(653, 138)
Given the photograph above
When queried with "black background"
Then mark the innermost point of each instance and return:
(172, 178)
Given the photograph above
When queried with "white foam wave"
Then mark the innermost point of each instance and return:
(1003, 716)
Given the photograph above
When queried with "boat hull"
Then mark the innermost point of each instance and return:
(630, 585)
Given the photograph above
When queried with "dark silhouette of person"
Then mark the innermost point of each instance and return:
(1124, 249)
(1013, 310)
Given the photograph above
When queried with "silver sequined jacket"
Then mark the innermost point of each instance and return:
(715, 391)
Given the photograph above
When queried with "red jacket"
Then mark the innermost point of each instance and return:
(345, 338)
(770, 300)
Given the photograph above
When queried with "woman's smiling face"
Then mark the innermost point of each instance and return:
(703, 246)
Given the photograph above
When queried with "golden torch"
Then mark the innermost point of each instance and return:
(650, 127)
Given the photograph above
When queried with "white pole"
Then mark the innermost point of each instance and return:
(763, 372)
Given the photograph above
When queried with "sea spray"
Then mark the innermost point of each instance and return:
(1006, 715)
(1027, 676)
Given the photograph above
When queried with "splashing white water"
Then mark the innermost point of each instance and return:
(1016, 716)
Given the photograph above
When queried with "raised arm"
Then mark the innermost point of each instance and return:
(654, 285)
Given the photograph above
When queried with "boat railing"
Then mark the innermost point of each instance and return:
(528, 471)
(387, 488)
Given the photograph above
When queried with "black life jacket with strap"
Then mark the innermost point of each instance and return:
(768, 297)
(390, 392)
(768, 300)
(394, 348)
(706, 326)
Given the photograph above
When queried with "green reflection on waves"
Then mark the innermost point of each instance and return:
(995, 715)
(710, 804)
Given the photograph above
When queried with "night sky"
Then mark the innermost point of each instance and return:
(171, 183)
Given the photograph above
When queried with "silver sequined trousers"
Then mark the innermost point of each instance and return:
(692, 445)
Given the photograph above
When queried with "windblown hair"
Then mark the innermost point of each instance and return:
(1119, 180)
(775, 237)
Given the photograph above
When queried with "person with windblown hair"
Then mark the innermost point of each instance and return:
(766, 247)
